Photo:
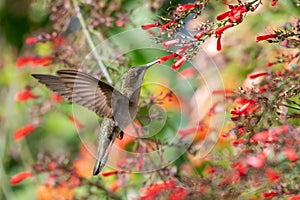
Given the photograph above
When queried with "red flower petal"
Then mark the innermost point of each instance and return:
(31, 40)
(272, 175)
(255, 161)
(166, 58)
(56, 98)
(148, 26)
(268, 195)
(19, 177)
(23, 131)
(183, 8)
(291, 154)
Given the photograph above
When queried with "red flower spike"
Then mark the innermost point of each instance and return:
(25, 96)
(291, 154)
(56, 98)
(269, 195)
(220, 30)
(166, 58)
(31, 40)
(23, 131)
(16, 179)
(179, 63)
(148, 26)
(265, 37)
(105, 174)
(166, 44)
(272, 175)
(219, 45)
(255, 161)
(183, 8)
(253, 76)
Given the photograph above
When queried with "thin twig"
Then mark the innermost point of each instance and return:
(90, 42)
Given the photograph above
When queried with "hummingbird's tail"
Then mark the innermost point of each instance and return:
(102, 156)
(108, 133)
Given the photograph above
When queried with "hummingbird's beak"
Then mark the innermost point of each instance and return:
(152, 63)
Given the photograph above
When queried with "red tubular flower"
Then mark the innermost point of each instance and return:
(265, 37)
(25, 96)
(148, 26)
(22, 61)
(154, 189)
(274, 2)
(238, 141)
(265, 87)
(75, 121)
(31, 40)
(179, 63)
(166, 58)
(167, 25)
(56, 98)
(183, 8)
(199, 35)
(253, 76)
(166, 44)
(269, 64)
(34, 61)
(291, 154)
(23, 131)
(183, 49)
(272, 175)
(219, 45)
(255, 161)
(16, 179)
(105, 174)
(269, 195)
(220, 30)
(45, 61)
(241, 168)
(243, 110)
(223, 15)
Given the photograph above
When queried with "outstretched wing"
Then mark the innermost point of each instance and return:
(80, 88)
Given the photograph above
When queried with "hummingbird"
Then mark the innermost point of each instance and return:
(117, 107)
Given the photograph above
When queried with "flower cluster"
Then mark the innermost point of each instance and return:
(186, 47)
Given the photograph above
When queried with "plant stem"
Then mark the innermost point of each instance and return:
(90, 42)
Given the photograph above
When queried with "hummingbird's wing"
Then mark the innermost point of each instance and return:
(80, 88)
